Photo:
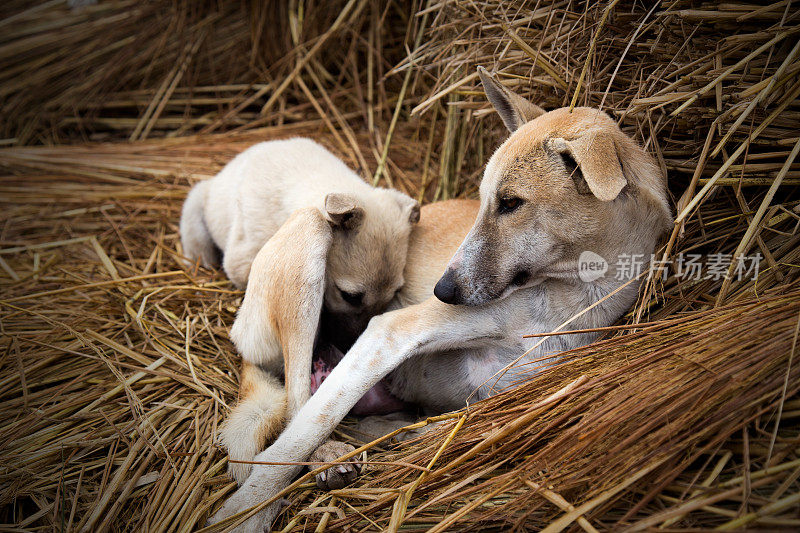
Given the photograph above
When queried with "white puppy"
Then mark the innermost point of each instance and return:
(240, 208)
(303, 208)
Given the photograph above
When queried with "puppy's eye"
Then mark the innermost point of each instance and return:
(508, 204)
(352, 298)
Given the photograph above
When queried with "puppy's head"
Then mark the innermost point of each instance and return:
(561, 184)
(368, 253)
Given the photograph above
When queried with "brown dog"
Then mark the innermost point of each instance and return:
(565, 184)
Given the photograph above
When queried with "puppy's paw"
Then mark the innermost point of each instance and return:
(339, 475)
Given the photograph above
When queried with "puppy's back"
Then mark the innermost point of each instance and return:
(267, 182)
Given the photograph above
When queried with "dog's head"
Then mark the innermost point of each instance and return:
(368, 252)
(563, 183)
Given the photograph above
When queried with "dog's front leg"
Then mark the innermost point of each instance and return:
(389, 340)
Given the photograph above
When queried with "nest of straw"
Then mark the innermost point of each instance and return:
(115, 363)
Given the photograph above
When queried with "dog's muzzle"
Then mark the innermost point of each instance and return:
(447, 289)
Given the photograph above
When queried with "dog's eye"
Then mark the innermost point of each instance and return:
(352, 298)
(508, 204)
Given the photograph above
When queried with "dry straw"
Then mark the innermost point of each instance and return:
(115, 363)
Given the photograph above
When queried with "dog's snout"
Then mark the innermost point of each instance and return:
(447, 289)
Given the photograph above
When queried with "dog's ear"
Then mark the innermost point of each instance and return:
(342, 211)
(512, 108)
(408, 205)
(598, 160)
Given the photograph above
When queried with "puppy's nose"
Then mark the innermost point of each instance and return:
(447, 289)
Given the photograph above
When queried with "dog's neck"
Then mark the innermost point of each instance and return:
(592, 298)
(571, 304)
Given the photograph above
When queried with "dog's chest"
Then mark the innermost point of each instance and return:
(445, 381)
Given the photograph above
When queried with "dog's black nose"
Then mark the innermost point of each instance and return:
(447, 289)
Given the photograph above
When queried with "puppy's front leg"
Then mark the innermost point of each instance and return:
(389, 340)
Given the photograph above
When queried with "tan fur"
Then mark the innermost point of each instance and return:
(560, 215)
(594, 135)
(312, 231)
(257, 419)
(275, 331)
(442, 227)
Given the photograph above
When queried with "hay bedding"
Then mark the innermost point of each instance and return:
(115, 368)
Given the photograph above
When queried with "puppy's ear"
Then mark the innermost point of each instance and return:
(409, 206)
(512, 108)
(342, 211)
(413, 212)
(596, 155)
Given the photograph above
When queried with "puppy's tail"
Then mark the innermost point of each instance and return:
(256, 420)
(195, 238)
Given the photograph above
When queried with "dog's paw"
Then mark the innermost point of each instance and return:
(242, 500)
(339, 475)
